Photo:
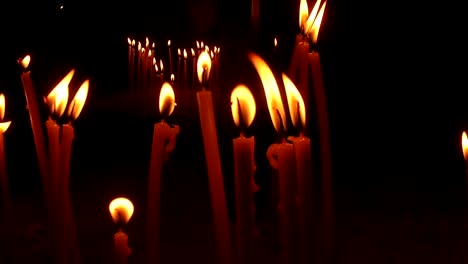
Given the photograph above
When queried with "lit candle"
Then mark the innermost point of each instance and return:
(144, 66)
(170, 56)
(198, 47)
(281, 158)
(129, 62)
(465, 155)
(243, 112)
(139, 68)
(304, 182)
(194, 68)
(213, 162)
(179, 68)
(324, 133)
(36, 125)
(132, 66)
(185, 69)
(149, 61)
(164, 140)
(161, 68)
(121, 210)
(3, 171)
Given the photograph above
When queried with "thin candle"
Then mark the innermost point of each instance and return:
(194, 68)
(170, 56)
(121, 210)
(464, 141)
(179, 68)
(243, 113)
(3, 171)
(185, 68)
(213, 162)
(164, 140)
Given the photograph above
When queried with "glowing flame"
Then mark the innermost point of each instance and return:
(272, 93)
(153, 45)
(78, 101)
(25, 61)
(3, 125)
(147, 42)
(149, 53)
(172, 77)
(169, 43)
(166, 99)
(276, 42)
(202, 45)
(129, 41)
(203, 65)
(295, 102)
(207, 49)
(193, 52)
(156, 67)
(314, 31)
(121, 209)
(178, 52)
(198, 44)
(242, 98)
(312, 17)
(133, 43)
(185, 54)
(465, 145)
(139, 46)
(303, 14)
(161, 65)
(154, 61)
(211, 54)
(58, 97)
(142, 50)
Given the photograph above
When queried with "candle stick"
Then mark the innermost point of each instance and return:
(132, 66)
(164, 140)
(144, 66)
(161, 68)
(198, 47)
(3, 171)
(179, 68)
(129, 63)
(36, 126)
(121, 210)
(465, 155)
(149, 61)
(194, 68)
(281, 158)
(185, 69)
(170, 56)
(304, 178)
(243, 112)
(213, 162)
(139, 68)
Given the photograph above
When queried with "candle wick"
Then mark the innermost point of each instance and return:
(281, 129)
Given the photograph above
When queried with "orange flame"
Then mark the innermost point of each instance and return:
(172, 77)
(166, 99)
(312, 17)
(198, 44)
(272, 93)
(153, 45)
(147, 42)
(156, 67)
(295, 102)
(3, 125)
(58, 97)
(133, 43)
(203, 64)
(276, 42)
(129, 41)
(243, 98)
(314, 31)
(193, 52)
(76, 105)
(161, 65)
(121, 209)
(178, 52)
(465, 145)
(169, 43)
(185, 54)
(139, 46)
(303, 13)
(25, 61)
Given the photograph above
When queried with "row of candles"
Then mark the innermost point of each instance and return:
(291, 157)
(146, 64)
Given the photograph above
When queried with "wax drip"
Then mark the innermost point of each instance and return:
(242, 125)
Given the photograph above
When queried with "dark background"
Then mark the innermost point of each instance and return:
(393, 73)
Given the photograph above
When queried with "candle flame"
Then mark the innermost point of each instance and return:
(154, 60)
(202, 45)
(58, 97)
(169, 43)
(147, 42)
(166, 99)
(303, 14)
(465, 145)
(76, 105)
(172, 77)
(129, 41)
(25, 61)
(314, 31)
(156, 67)
(185, 54)
(211, 54)
(149, 53)
(121, 209)
(276, 42)
(207, 49)
(193, 52)
(203, 64)
(153, 45)
(312, 17)
(133, 43)
(142, 50)
(3, 125)
(198, 44)
(295, 102)
(139, 46)
(242, 98)
(161, 65)
(272, 93)
(178, 52)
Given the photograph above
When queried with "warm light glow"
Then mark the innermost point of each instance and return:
(156, 67)
(142, 50)
(314, 31)
(76, 105)
(169, 43)
(4, 126)
(58, 97)
(185, 54)
(172, 77)
(129, 41)
(121, 209)
(154, 60)
(147, 42)
(133, 43)
(139, 46)
(153, 45)
(2, 106)
(303, 14)
(203, 64)
(25, 61)
(207, 49)
(212, 54)
(193, 52)
(161, 65)
(178, 52)
(166, 99)
(465, 145)
(276, 42)
(198, 44)
(149, 53)
(295, 102)
(202, 45)
(243, 98)
(312, 17)
(272, 93)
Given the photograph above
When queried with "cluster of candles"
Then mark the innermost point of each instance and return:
(146, 62)
(291, 157)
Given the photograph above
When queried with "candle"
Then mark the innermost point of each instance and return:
(304, 178)
(243, 112)
(194, 68)
(185, 69)
(132, 67)
(144, 66)
(36, 125)
(3, 171)
(281, 158)
(179, 68)
(129, 62)
(149, 61)
(198, 48)
(121, 210)
(164, 140)
(161, 69)
(213, 162)
(170, 56)
(139, 68)
(465, 155)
